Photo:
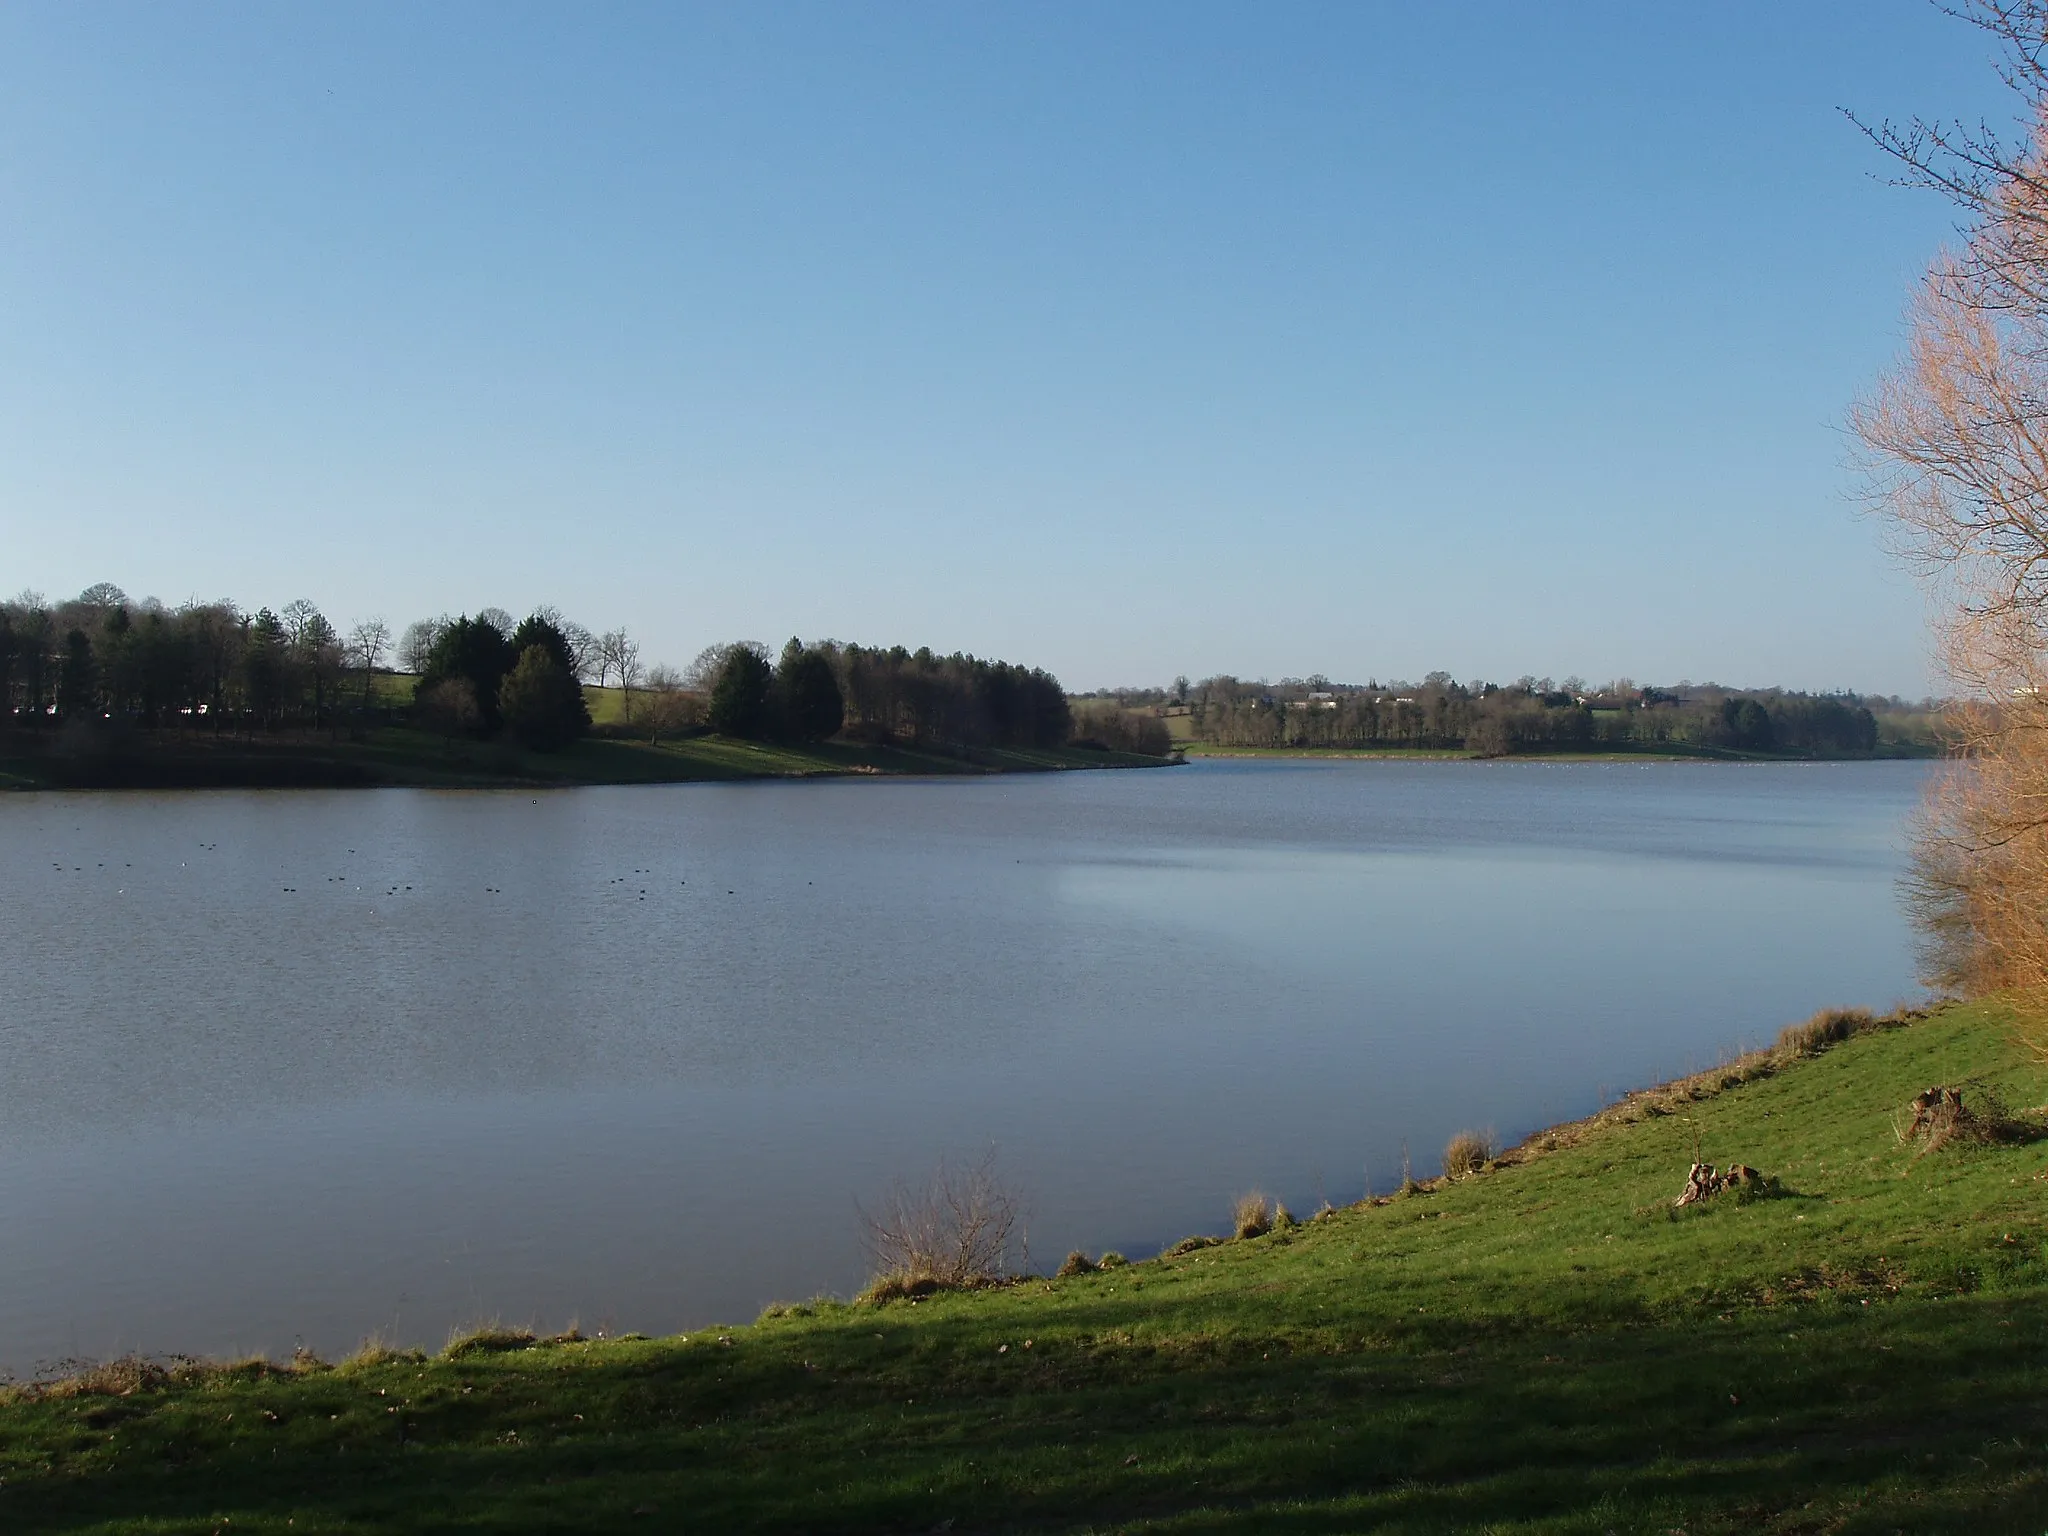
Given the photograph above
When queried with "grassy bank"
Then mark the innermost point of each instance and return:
(396, 755)
(1633, 754)
(1547, 1346)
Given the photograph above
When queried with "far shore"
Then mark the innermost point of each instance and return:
(1636, 754)
(393, 756)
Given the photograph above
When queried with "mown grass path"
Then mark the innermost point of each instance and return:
(1547, 1347)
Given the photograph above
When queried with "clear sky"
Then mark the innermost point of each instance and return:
(1127, 340)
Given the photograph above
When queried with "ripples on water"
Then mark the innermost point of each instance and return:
(291, 1067)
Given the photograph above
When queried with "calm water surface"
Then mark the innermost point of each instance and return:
(283, 1068)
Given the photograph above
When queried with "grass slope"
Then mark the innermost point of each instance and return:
(1547, 1347)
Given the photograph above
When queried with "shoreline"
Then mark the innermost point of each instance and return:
(1195, 750)
(397, 757)
(1548, 1338)
(1796, 1043)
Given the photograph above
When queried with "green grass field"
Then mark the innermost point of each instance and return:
(1545, 1347)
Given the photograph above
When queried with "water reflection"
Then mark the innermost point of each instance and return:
(291, 1067)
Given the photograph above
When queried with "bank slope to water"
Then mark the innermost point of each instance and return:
(1548, 1347)
(396, 756)
(1636, 753)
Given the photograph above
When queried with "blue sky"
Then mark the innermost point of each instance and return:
(1129, 341)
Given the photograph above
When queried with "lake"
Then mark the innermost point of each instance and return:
(296, 1068)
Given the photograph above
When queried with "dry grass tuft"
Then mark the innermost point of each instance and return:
(377, 1350)
(1467, 1154)
(1075, 1263)
(486, 1339)
(124, 1377)
(1252, 1215)
(1830, 1026)
(884, 1288)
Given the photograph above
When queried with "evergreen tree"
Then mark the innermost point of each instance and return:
(740, 704)
(476, 652)
(541, 702)
(807, 697)
(539, 629)
(77, 678)
(8, 646)
(262, 666)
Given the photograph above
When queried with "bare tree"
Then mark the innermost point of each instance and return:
(1958, 441)
(703, 672)
(367, 644)
(582, 648)
(417, 644)
(103, 594)
(670, 707)
(583, 645)
(619, 654)
(313, 648)
(957, 1230)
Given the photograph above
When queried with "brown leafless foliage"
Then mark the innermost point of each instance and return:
(1958, 444)
(956, 1230)
(670, 708)
(1992, 176)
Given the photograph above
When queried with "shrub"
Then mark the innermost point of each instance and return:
(952, 1233)
(1252, 1215)
(448, 706)
(1075, 1263)
(1466, 1154)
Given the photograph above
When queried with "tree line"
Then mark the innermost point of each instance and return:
(102, 657)
(1532, 715)
(893, 695)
